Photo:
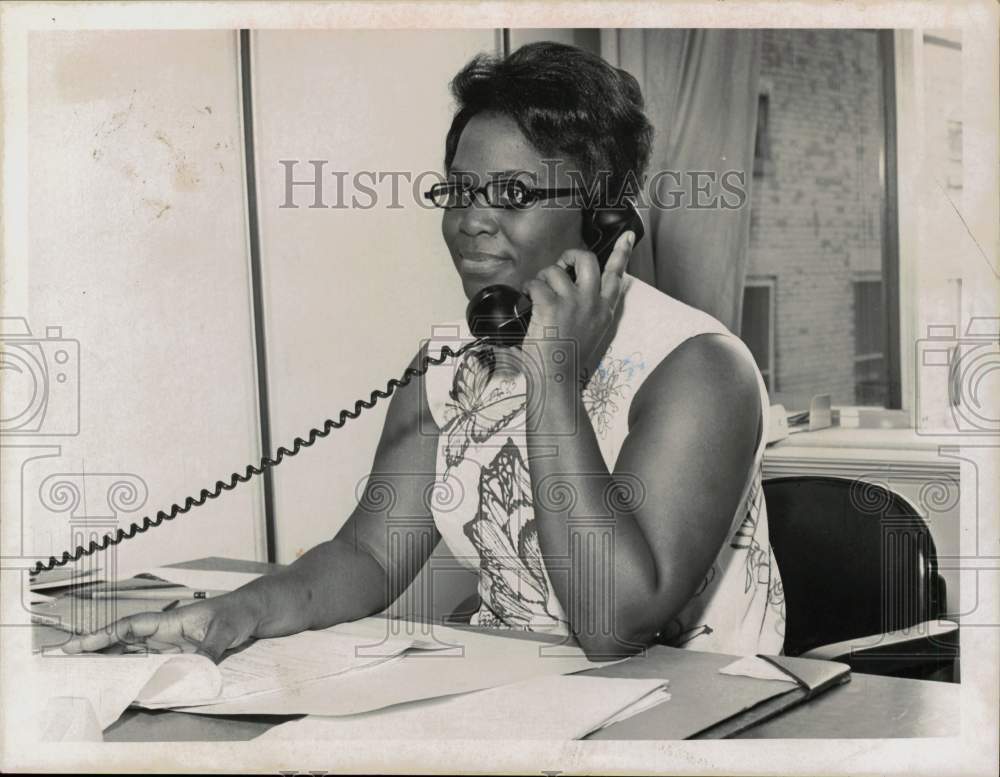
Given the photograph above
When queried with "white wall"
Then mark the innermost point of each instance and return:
(136, 248)
(350, 293)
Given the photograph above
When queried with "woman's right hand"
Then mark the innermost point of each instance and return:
(208, 628)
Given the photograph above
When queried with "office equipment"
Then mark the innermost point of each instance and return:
(777, 427)
(500, 314)
(549, 708)
(859, 568)
(818, 416)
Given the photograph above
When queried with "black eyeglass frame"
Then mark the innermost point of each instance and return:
(534, 194)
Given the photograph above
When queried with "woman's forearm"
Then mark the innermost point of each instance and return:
(600, 565)
(332, 583)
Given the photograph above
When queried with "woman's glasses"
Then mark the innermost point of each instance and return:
(498, 193)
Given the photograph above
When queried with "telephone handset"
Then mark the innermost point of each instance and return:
(500, 314)
(497, 315)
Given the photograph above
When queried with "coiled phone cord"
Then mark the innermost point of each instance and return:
(265, 463)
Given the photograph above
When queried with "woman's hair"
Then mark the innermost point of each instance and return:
(570, 105)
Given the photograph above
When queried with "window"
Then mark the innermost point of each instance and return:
(762, 140)
(758, 325)
(869, 342)
(823, 220)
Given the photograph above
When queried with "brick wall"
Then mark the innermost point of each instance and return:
(816, 210)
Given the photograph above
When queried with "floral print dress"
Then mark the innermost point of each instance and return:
(483, 505)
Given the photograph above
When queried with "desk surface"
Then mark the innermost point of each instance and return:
(867, 707)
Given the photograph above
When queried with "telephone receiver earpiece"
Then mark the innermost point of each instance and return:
(501, 314)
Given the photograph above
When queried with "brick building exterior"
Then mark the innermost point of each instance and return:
(816, 218)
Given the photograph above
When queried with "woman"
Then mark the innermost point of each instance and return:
(604, 478)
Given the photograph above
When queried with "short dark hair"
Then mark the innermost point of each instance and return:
(568, 102)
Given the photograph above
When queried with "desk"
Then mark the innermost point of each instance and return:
(867, 707)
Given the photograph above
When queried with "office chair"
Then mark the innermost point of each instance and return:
(860, 577)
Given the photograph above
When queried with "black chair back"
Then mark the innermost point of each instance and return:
(855, 559)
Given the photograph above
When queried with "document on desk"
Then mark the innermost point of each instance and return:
(547, 708)
(112, 683)
(279, 664)
(451, 661)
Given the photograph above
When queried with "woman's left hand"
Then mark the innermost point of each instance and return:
(582, 311)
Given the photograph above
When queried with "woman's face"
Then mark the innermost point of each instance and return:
(496, 245)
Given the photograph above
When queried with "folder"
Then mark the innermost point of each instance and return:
(706, 704)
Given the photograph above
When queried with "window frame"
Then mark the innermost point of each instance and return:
(891, 280)
(771, 284)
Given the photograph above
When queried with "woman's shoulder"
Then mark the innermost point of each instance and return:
(690, 355)
(650, 325)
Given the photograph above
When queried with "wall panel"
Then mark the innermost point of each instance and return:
(136, 252)
(350, 290)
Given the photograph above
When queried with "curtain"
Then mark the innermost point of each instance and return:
(700, 88)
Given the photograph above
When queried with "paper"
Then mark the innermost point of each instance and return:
(654, 699)
(270, 665)
(111, 683)
(464, 661)
(547, 708)
(62, 577)
(81, 615)
(68, 719)
(203, 579)
(752, 666)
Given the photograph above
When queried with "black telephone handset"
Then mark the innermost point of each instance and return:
(500, 314)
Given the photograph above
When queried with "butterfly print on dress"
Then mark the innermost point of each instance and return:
(512, 582)
(476, 412)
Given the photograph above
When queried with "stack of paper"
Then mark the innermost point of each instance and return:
(157, 681)
(450, 661)
(550, 708)
(60, 577)
(352, 669)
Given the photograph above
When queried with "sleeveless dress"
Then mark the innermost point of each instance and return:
(483, 497)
